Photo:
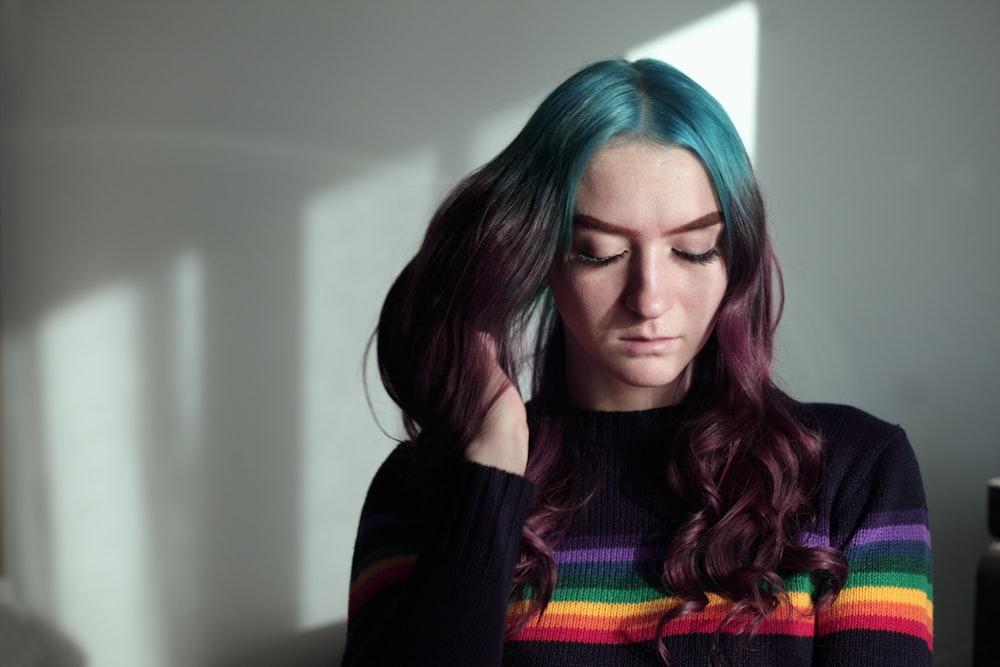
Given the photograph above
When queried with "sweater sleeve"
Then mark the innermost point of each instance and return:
(878, 518)
(433, 564)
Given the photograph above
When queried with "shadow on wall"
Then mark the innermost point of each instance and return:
(30, 642)
(27, 641)
(322, 647)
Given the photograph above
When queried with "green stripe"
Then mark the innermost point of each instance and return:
(908, 565)
(918, 582)
(621, 589)
(800, 582)
(630, 589)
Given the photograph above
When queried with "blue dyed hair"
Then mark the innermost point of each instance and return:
(616, 100)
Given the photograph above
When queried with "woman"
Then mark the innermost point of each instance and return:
(660, 500)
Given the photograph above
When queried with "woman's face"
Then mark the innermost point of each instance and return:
(646, 272)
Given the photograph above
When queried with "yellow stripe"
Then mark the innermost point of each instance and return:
(896, 595)
(800, 601)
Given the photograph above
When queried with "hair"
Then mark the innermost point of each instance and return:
(745, 466)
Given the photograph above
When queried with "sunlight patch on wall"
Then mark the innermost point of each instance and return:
(721, 53)
(179, 465)
(187, 296)
(93, 410)
(356, 238)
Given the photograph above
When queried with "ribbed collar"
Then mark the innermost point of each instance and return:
(615, 430)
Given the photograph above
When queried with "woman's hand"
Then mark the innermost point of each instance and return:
(502, 441)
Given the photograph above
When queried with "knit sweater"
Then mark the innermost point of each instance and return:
(435, 551)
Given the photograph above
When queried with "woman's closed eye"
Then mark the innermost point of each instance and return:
(706, 257)
(595, 259)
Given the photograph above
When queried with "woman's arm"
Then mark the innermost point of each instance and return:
(883, 615)
(433, 564)
(436, 547)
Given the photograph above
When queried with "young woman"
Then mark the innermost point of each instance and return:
(659, 500)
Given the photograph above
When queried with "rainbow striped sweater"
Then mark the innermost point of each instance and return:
(434, 558)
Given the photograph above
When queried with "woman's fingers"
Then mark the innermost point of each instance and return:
(502, 441)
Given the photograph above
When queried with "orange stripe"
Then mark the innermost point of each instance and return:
(842, 613)
(378, 576)
(619, 624)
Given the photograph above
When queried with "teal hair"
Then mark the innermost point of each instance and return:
(614, 101)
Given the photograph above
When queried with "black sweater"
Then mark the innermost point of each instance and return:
(435, 552)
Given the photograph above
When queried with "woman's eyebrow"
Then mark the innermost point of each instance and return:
(584, 221)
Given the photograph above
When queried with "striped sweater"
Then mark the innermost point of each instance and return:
(434, 558)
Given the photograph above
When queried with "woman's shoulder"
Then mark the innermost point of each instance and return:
(391, 484)
(864, 455)
(847, 428)
(399, 463)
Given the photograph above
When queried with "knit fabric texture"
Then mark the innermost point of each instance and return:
(434, 559)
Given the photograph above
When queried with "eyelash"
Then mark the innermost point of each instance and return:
(702, 259)
(590, 260)
(706, 257)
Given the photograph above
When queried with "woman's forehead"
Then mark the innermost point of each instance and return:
(638, 185)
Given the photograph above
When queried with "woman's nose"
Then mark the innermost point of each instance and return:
(648, 292)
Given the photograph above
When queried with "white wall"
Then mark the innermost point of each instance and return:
(203, 204)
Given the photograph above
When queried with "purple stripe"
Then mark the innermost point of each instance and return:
(603, 555)
(905, 525)
(910, 525)
(619, 554)
(604, 548)
(915, 532)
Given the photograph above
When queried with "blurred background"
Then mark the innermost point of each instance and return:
(203, 204)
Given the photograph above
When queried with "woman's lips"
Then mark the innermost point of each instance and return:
(642, 345)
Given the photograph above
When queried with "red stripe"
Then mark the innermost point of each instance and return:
(909, 625)
(584, 629)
